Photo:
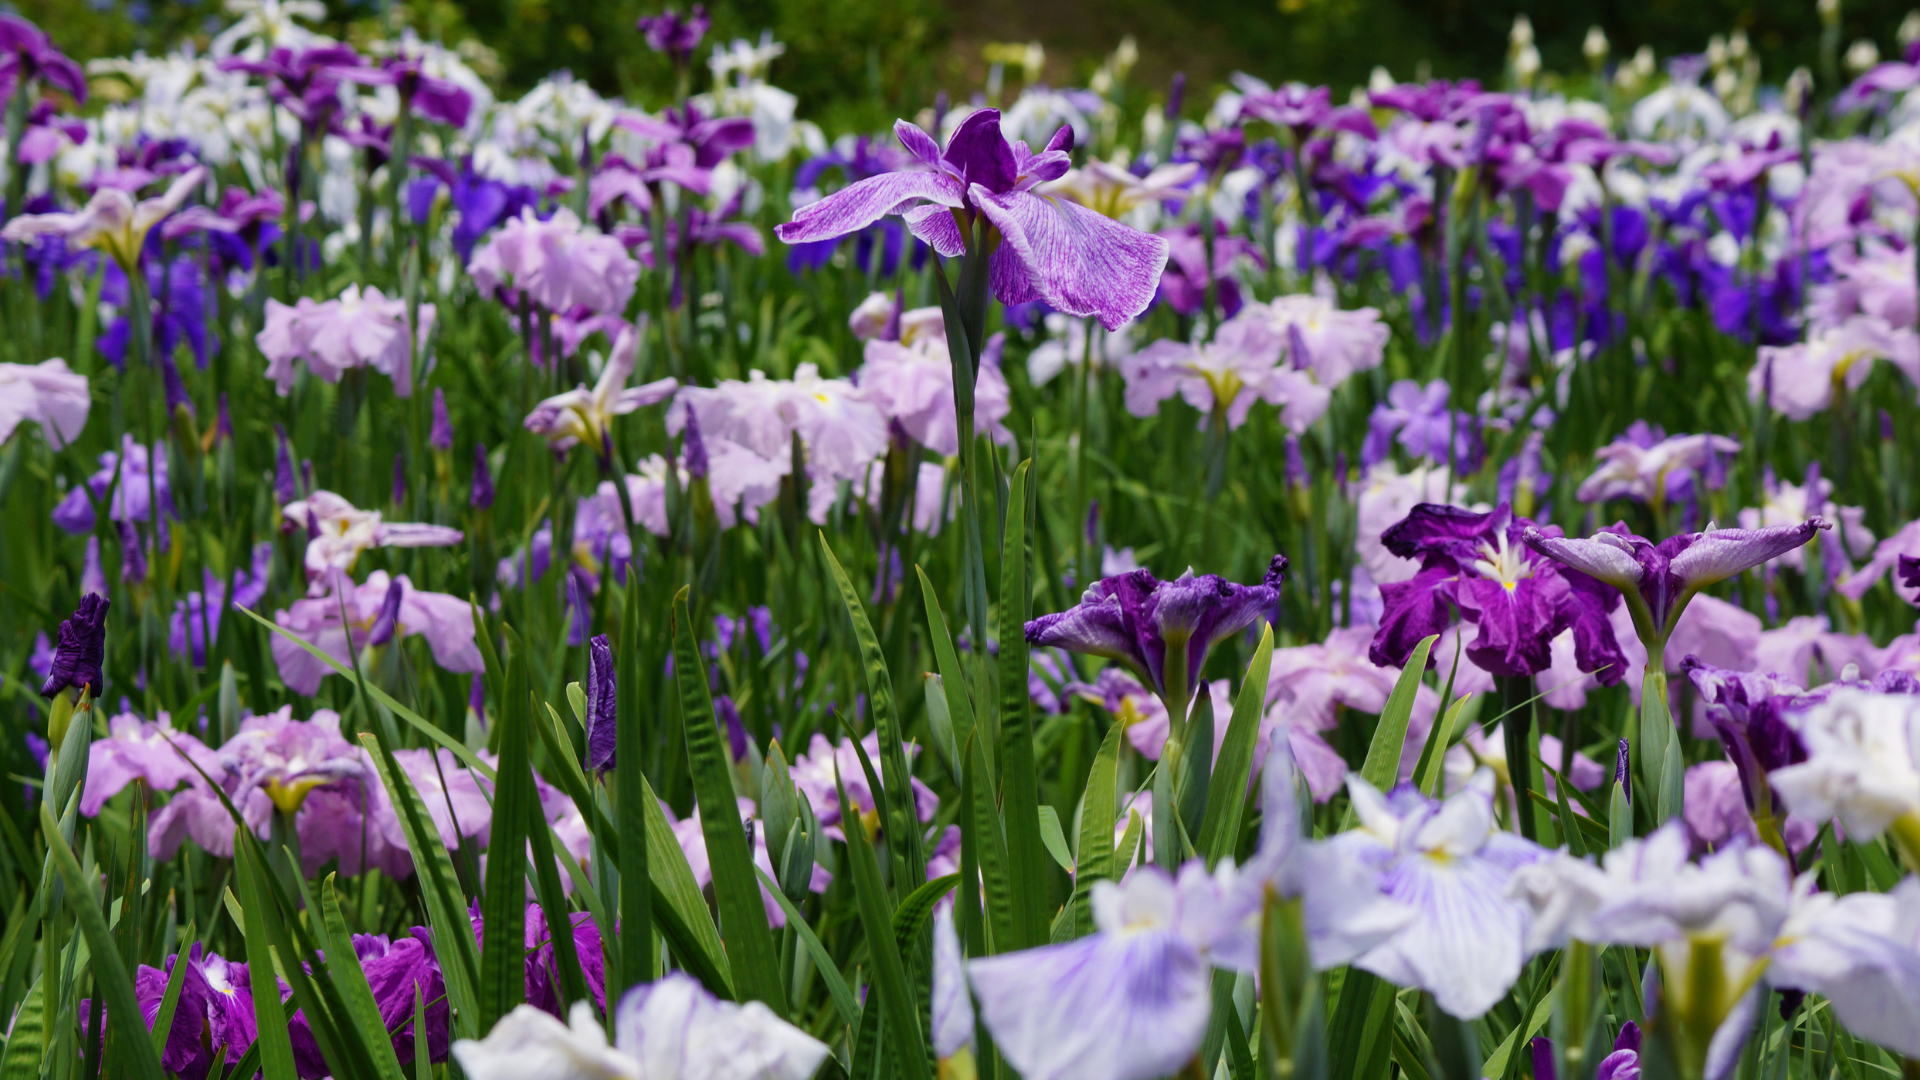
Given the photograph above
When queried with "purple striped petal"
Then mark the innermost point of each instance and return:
(918, 143)
(1603, 557)
(1079, 261)
(857, 206)
(1722, 553)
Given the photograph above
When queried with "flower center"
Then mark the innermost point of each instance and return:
(1503, 563)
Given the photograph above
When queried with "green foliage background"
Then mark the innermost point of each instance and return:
(857, 63)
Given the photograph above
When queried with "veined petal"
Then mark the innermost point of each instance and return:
(1607, 562)
(1465, 942)
(857, 206)
(1722, 553)
(933, 224)
(1077, 260)
(1115, 1006)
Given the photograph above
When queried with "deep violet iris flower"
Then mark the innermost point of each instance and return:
(1044, 247)
(1160, 629)
(1520, 600)
(1659, 579)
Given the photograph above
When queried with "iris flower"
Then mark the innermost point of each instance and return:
(586, 416)
(338, 532)
(1077, 260)
(111, 221)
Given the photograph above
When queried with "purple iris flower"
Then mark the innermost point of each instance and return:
(1141, 621)
(1418, 418)
(27, 53)
(81, 649)
(183, 307)
(132, 495)
(481, 203)
(602, 696)
(1746, 711)
(1079, 261)
(196, 617)
(1183, 284)
(433, 99)
(396, 970)
(1478, 565)
(1622, 1064)
(215, 1009)
(1659, 579)
(860, 159)
(306, 82)
(669, 33)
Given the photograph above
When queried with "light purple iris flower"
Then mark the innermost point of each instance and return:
(1520, 600)
(1053, 249)
(1646, 466)
(446, 621)
(952, 1011)
(1160, 629)
(338, 532)
(1418, 418)
(359, 329)
(135, 749)
(557, 264)
(813, 773)
(1659, 579)
(287, 758)
(196, 616)
(48, 394)
(1466, 942)
(133, 496)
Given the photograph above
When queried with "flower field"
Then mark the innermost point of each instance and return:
(1124, 582)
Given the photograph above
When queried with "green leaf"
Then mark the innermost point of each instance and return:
(1053, 838)
(26, 1043)
(633, 849)
(903, 837)
(749, 940)
(1440, 738)
(911, 917)
(351, 981)
(1099, 810)
(991, 846)
(1382, 766)
(678, 907)
(940, 722)
(1619, 817)
(111, 978)
(270, 1017)
(1456, 1049)
(1358, 1025)
(889, 973)
(1496, 1065)
(843, 997)
(953, 678)
(504, 906)
(1227, 791)
(446, 906)
(170, 999)
(1020, 791)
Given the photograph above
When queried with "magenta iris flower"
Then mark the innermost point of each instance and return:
(1052, 249)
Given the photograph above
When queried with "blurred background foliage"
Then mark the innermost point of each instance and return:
(858, 63)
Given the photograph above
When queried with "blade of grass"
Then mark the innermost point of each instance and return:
(743, 918)
(631, 800)
(351, 980)
(1227, 791)
(504, 905)
(1020, 793)
(889, 973)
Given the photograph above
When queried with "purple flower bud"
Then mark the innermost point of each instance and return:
(284, 488)
(482, 496)
(399, 479)
(133, 552)
(440, 436)
(388, 621)
(81, 649)
(477, 696)
(306, 474)
(695, 448)
(223, 420)
(1623, 775)
(601, 703)
(1093, 522)
(1296, 465)
(729, 716)
(1543, 1058)
(176, 390)
(1886, 426)
(1176, 94)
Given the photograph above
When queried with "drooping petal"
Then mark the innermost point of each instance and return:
(1465, 941)
(1718, 555)
(1114, 1006)
(1077, 260)
(859, 205)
